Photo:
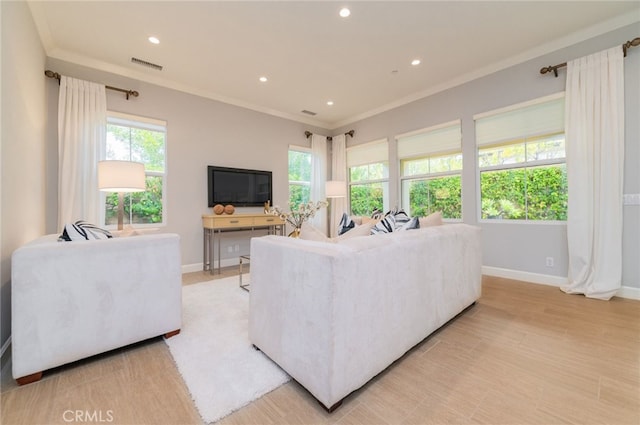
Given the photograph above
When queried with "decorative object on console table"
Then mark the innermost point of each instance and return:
(218, 209)
(121, 177)
(298, 216)
(229, 209)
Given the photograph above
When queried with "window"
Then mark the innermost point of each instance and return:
(131, 138)
(299, 176)
(521, 158)
(368, 166)
(431, 171)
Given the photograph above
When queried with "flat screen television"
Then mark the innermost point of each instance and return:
(238, 186)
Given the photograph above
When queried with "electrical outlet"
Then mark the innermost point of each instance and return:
(237, 248)
(229, 248)
(549, 261)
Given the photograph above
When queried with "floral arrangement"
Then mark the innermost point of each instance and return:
(298, 216)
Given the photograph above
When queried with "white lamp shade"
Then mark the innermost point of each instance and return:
(336, 189)
(121, 176)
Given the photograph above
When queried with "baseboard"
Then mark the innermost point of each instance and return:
(541, 279)
(190, 268)
(629, 292)
(227, 262)
(551, 280)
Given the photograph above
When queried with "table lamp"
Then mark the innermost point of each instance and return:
(334, 189)
(121, 177)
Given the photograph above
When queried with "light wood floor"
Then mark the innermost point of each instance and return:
(524, 354)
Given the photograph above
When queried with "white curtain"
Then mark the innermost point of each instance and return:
(595, 161)
(339, 173)
(319, 179)
(82, 116)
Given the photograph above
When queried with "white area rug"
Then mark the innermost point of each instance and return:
(218, 363)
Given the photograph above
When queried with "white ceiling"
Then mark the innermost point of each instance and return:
(311, 55)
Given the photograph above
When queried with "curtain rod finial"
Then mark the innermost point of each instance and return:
(52, 74)
(307, 134)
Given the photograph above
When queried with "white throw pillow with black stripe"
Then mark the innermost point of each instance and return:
(346, 224)
(395, 221)
(83, 231)
(386, 225)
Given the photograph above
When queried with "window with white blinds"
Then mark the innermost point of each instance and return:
(368, 166)
(438, 139)
(431, 170)
(521, 161)
(368, 153)
(526, 120)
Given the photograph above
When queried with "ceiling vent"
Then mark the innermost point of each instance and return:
(304, 111)
(147, 64)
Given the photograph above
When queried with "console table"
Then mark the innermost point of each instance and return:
(213, 224)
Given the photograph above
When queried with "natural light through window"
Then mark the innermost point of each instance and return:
(522, 165)
(131, 138)
(368, 166)
(431, 171)
(299, 176)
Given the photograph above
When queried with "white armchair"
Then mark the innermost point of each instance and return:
(72, 300)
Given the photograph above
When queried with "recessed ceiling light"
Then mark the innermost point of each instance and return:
(415, 62)
(344, 12)
(154, 40)
(330, 103)
(263, 79)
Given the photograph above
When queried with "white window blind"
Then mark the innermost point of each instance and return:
(144, 123)
(530, 119)
(368, 153)
(439, 139)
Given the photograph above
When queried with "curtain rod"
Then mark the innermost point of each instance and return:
(633, 43)
(308, 134)
(128, 93)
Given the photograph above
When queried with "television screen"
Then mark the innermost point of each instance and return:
(238, 187)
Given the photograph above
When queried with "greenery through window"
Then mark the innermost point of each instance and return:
(432, 183)
(368, 187)
(299, 177)
(139, 140)
(524, 179)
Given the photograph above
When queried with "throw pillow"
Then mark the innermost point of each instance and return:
(413, 223)
(362, 230)
(434, 219)
(400, 217)
(83, 231)
(346, 224)
(310, 233)
(386, 225)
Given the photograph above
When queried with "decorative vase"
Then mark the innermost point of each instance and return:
(295, 233)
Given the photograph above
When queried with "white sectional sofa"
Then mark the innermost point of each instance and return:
(72, 300)
(334, 315)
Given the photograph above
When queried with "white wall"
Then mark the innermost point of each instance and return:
(521, 247)
(23, 207)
